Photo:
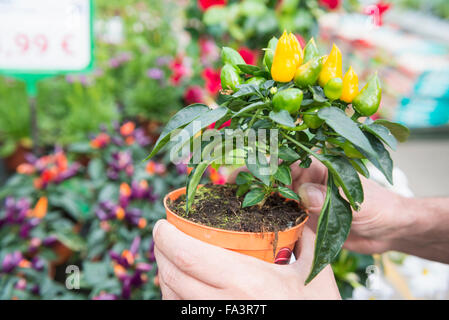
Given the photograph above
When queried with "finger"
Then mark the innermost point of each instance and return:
(180, 285)
(312, 196)
(201, 260)
(304, 250)
(316, 173)
(167, 293)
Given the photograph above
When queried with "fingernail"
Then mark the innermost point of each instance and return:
(311, 195)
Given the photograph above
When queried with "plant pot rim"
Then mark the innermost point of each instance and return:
(271, 233)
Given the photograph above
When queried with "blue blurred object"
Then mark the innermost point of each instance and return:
(428, 105)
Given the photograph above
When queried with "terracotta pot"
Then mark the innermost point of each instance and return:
(258, 245)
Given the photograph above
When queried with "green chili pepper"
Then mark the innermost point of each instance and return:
(230, 77)
(289, 99)
(256, 80)
(333, 88)
(367, 102)
(232, 57)
(310, 51)
(269, 53)
(308, 73)
(312, 120)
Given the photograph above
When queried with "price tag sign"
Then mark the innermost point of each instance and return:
(45, 37)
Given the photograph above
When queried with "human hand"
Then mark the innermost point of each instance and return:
(192, 269)
(375, 228)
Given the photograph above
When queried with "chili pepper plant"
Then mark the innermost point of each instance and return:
(313, 111)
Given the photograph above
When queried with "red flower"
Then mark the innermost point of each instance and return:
(330, 4)
(193, 94)
(224, 125)
(377, 11)
(206, 4)
(212, 79)
(248, 55)
(301, 40)
(179, 70)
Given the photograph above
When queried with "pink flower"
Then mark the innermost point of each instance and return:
(193, 94)
(248, 55)
(206, 4)
(179, 70)
(212, 79)
(209, 52)
(330, 4)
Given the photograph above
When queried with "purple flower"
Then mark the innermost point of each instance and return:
(155, 73)
(37, 263)
(126, 288)
(21, 284)
(101, 214)
(164, 60)
(135, 246)
(49, 241)
(141, 138)
(11, 260)
(144, 267)
(181, 168)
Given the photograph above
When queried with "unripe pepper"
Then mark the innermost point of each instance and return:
(269, 53)
(288, 99)
(367, 101)
(310, 51)
(230, 77)
(287, 58)
(255, 80)
(308, 73)
(333, 88)
(232, 57)
(350, 86)
(312, 120)
(332, 67)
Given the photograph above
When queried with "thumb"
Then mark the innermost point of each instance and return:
(312, 196)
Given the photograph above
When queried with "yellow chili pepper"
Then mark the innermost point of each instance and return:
(297, 49)
(287, 58)
(332, 67)
(350, 86)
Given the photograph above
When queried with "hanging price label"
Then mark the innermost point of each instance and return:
(45, 36)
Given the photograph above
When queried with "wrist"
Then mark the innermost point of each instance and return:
(422, 231)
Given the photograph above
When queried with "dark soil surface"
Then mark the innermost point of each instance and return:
(217, 206)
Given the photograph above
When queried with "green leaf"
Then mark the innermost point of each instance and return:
(288, 193)
(242, 189)
(332, 230)
(251, 108)
(96, 169)
(253, 197)
(283, 174)
(288, 154)
(95, 273)
(198, 124)
(382, 161)
(382, 133)
(248, 69)
(343, 125)
(243, 177)
(360, 167)
(400, 132)
(179, 120)
(260, 169)
(282, 117)
(346, 176)
(246, 89)
(71, 240)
